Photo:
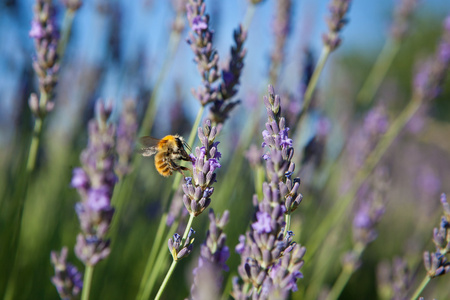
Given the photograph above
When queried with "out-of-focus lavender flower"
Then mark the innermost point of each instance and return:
(179, 7)
(126, 137)
(281, 28)
(336, 21)
(72, 4)
(365, 137)
(402, 18)
(67, 280)
(208, 277)
(431, 75)
(230, 79)
(254, 155)
(198, 189)
(270, 260)
(436, 262)
(370, 210)
(45, 33)
(95, 182)
(177, 248)
(394, 280)
(206, 57)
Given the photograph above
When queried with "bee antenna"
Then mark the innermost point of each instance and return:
(186, 145)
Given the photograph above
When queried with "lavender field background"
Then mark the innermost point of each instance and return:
(320, 136)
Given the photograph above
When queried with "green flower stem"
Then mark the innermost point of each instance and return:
(421, 287)
(153, 267)
(147, 123)
(249, 13)
(378, 72)
(337, 212)
(166, 279)
(174, 262)
(67, 29)
(87, 281)
(345, 275)
(287, 218)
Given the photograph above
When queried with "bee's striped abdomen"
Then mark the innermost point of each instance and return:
(161, 164)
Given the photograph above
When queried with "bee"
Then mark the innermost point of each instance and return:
(168, 151)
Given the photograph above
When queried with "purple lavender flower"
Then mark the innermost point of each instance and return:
(281, 27)
(206, 57)
(336, 21)
(67, 280)
(270, 260)
(230, 79)
(95, 182)
(402, 18)
(208, 277)
(45, 33)
(394, 280)
(126, 137)
(436, 263)
(198, 189)
(178, 249)
(431, 75)
(180, 8)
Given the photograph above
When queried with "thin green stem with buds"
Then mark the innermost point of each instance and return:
(174, 262)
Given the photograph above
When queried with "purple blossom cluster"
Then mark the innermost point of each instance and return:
(430, 78)
(370, 209)
(214, 253)
(206, 57)
(436, 262)
(336, 21)
(198, 189)
(230, 79)
(402, 18)
(394, 280)
(67, 280)
(207, 60)
(95, 181)
(126, 138)
(270, 260)
(45, 33)
(178, 249)
(180, 8)
(365, 137)
(281, 28)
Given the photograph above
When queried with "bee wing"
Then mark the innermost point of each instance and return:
(151, 145)
(149, 141)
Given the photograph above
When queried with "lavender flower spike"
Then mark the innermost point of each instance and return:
(430, 78)
(270, 260)
(67, 280)
(198, 189)
(230, 79)
(336, 21)
(45, 33)
(402, 18)
(436, 263)
(206, 57)
(126, 137)
(208, 277)
(95, 182)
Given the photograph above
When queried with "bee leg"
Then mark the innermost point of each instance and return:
(185, 169)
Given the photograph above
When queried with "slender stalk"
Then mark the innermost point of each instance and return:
(249, 13)
(87, 281)
(378, 72)
(67, 29)
(174, 263)
(345, 275)
(421, 287)
(337, 212)
(146, 285)
(287, 218)
(166, 279)
(147, 123)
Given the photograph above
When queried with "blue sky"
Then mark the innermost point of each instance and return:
(145, 24)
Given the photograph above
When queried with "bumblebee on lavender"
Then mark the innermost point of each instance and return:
(168, 151)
